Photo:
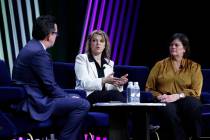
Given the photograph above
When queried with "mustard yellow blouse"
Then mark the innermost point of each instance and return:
(163, 79)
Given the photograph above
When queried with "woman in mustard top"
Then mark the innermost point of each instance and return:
(177, 81)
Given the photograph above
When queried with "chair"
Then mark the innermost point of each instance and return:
(205, 99)
(13, 124)
(64, 74)
(8, 95)
(135, 74)
(205, 96)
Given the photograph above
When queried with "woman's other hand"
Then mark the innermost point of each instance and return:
(123, 80)
(110, 79)
(168, 98)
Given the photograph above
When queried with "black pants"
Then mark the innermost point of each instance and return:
(180, 120)
(106, 96)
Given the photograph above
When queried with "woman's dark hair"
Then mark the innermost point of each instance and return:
(185, 42)
(43, 26)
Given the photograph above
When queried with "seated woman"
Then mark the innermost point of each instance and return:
(94, 71)
(94, 74)
(177, 81)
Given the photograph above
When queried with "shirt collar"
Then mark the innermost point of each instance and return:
(44, 47)
(183, 61)
(91, 59)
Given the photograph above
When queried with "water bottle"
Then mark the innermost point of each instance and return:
(129, 92)
(136, 92)
(52, 137)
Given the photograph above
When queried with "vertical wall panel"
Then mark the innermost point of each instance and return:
(114, 22)
(93, 16)
(119, 31)
(133, 30)
(1, 48)
(29, 16)
(125, 36)
(7, 35)
(114, 18)
(36, 5)
(13, 26)
(22, 25)
(85, 26)
(101, 14)
(108, 16)
(12, 32)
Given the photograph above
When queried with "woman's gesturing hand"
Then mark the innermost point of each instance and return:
(110, 79)
(123, 80)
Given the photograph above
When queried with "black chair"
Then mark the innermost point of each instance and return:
(205, 99)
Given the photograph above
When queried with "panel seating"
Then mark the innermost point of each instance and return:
(14, 124)
(136, 74)
(205, 96)
(205, 99)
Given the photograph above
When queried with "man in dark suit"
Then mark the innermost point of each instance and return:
(34, 70)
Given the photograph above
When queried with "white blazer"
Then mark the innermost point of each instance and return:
(87, 75)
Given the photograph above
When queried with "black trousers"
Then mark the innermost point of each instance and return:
(106, 96)
(180, 120)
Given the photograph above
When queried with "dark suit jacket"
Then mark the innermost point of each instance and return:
(34, 70)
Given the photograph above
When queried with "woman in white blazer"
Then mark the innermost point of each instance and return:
(94, 71)
(94, 74)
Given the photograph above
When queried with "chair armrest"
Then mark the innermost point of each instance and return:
(205, 109)
(7, 128)
(10, 94)
(146, 97)
(205, 97)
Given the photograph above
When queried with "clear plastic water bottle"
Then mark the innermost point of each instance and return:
(129, 92)
(136, 92)
(52, 137)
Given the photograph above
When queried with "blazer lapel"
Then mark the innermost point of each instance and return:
(93, 67)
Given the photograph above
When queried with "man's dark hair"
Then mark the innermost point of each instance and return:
(43, 26)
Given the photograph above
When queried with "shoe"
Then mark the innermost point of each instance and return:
(153, 128)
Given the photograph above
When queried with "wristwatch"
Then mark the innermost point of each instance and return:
(181, 95)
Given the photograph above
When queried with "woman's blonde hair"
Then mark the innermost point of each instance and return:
(107, 50)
